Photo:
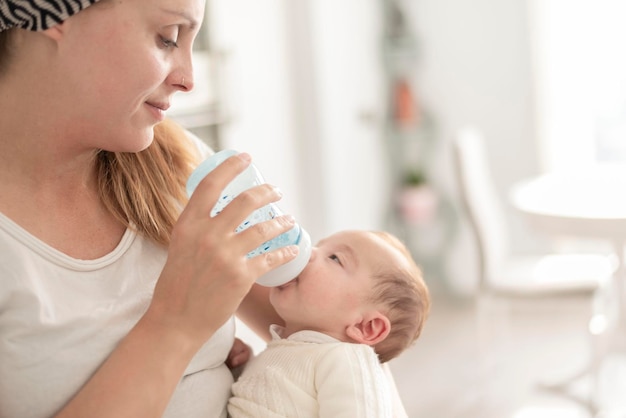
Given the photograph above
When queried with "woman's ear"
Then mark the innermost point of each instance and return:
(56, 32)
(372, 328)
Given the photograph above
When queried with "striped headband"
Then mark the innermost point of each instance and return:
(38, 14)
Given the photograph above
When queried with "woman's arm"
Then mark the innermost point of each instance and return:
(257, 312)
(206, 276)
(138, 378)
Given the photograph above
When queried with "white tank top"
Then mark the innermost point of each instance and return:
(61, 317)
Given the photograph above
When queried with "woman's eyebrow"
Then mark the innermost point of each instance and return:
(193, 23)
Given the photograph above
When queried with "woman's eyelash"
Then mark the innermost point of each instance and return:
(168, 43)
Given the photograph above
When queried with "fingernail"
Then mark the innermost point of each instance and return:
(244, 156)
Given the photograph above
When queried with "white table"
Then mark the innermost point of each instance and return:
(589, 203)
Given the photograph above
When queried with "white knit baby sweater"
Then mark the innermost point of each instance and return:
(310, 374)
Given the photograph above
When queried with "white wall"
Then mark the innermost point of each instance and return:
(345, 37)
(475, 69)
(302, 75)
(256, 90)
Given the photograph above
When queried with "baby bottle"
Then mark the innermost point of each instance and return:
(247, 179)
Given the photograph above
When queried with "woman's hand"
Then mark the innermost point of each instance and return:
(207, 273)
(205, 278)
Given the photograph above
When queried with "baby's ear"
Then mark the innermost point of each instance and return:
(372, 328)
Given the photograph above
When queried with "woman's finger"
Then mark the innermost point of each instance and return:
(263, 263)
(242, 206)
(210, 188)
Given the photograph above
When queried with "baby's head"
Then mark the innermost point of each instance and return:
(401, 289)
(361, 287)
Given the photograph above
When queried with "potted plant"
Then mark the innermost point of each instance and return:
(417, 200)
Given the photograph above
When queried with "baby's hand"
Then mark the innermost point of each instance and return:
(239, 354)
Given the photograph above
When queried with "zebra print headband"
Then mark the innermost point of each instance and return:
(38, 14)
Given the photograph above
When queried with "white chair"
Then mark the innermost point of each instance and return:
(506, 278)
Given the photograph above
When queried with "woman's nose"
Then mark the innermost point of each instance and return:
(182, 76)
(185, 83)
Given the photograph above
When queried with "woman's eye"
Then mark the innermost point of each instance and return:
(168, 43)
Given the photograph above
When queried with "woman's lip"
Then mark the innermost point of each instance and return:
(157, 110)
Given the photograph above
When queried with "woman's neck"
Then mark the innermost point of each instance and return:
(52, 192)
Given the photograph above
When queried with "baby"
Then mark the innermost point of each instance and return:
(360, 301)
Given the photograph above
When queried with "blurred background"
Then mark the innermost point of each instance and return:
(351, 107)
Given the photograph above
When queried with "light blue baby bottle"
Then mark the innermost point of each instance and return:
(247, 179)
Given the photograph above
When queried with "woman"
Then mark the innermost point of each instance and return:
(111, 304)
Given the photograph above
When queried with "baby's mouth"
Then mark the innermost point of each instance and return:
(289, 283)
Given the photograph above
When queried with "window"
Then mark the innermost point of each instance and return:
(580, 69)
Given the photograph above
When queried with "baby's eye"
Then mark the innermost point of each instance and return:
(335, 258)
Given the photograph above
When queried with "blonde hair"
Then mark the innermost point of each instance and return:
(146, 190)
(405, 296)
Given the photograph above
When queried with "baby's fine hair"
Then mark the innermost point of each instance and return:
(404, 294)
